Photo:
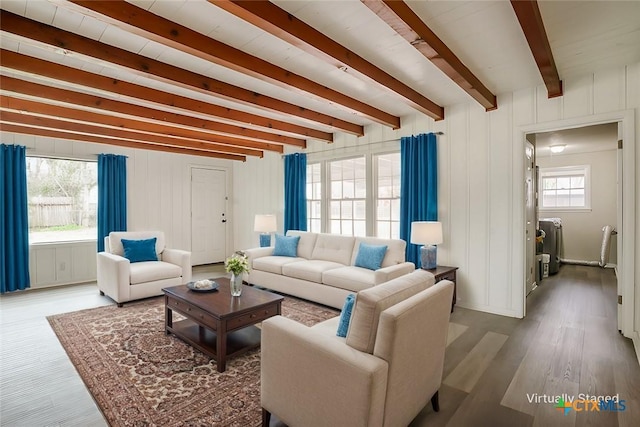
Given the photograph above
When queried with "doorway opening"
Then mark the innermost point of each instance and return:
(625, 200)
(575, 178)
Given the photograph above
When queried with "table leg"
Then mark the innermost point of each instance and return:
(168, 316)
(221, 346)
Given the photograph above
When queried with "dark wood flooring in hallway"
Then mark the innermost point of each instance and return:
(568, 344)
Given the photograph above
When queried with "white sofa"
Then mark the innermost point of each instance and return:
(125, 281)
(324, 270)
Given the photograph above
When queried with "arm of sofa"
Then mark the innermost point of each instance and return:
(385, 274)
(254, 253)
(113, 276)
(331, 383)
(180, 258)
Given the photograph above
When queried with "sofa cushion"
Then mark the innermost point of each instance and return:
(351, 278)
(395, 250)
(286, 246)
(345, 315)
(150, 271)
(306, 244)
(273, 264)
(333, 247)
(310, 270)
(370, 256)
(371, 302)
(140, 250)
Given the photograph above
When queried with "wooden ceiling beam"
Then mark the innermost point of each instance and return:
(285, 26)
(153, 118)
(139, 21)
(81, 128)
(35, 66)
(151, 68)
(530, 19)
(399, 16)
(54, 133)
(24, 106)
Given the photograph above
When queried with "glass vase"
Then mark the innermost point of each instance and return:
(236, 285)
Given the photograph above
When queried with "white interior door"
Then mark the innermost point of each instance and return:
(530, 212)
(208, 215)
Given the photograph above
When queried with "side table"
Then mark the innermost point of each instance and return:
(443, 272)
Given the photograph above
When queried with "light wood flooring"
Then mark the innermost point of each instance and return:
(568, 343)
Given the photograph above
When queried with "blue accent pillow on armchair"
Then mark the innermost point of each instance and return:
(345, 316)
(140, 250)
(286, 245)
(370, 256)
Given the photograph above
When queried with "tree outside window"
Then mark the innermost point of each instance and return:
(63, 197)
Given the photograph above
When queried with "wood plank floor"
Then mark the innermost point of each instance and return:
(568, 343)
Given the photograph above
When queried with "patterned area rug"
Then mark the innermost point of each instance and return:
(141, 377)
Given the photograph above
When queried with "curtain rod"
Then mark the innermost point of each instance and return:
(373, 143)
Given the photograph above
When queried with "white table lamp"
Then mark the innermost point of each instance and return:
(265, 225)
(429, 234)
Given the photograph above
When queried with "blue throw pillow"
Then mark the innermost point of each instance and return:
(345, 316)
(140, 250)
(286, 245)
(370, 256)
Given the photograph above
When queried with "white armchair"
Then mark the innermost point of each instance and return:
(125, 281)
(383, 374)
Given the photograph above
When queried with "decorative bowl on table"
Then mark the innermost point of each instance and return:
(204, 285)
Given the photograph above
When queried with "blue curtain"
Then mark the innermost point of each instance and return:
(418, 186)
(112, 195)
(295, 192)
(14, 219)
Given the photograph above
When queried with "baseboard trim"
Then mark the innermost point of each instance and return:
(490, 310)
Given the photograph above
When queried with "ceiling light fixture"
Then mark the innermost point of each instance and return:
(557, 148)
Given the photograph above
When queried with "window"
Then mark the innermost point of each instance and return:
(348, 197)
(63, 198)
(314, 198)
(565, 188)
(387, 173)
(357, 196)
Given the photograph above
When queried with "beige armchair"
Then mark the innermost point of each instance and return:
(382, 374)
(124, 281)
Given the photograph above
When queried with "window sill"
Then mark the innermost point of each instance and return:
(63, 242)
(565, 210)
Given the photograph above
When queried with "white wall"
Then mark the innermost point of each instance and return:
(582, 230)
(158, 197)
(480, 195)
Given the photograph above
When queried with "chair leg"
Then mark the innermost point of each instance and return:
(119, 304)
(101, 293)
(435, 403)
(266, 417)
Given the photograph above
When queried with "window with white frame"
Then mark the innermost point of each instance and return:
(348, 197)
(314, 197)
(565, 188)
(387, 188)
(358, 196)
(63, 199)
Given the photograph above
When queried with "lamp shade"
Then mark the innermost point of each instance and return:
(426, 233)
(265, 223)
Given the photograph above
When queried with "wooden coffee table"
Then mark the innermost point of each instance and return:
(216, 323)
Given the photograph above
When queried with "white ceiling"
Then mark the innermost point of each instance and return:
(586, 139)
(485, 35)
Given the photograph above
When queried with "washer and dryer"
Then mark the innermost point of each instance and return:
(552, 242)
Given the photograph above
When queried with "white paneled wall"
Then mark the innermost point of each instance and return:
(53, 264)
(158, 198)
